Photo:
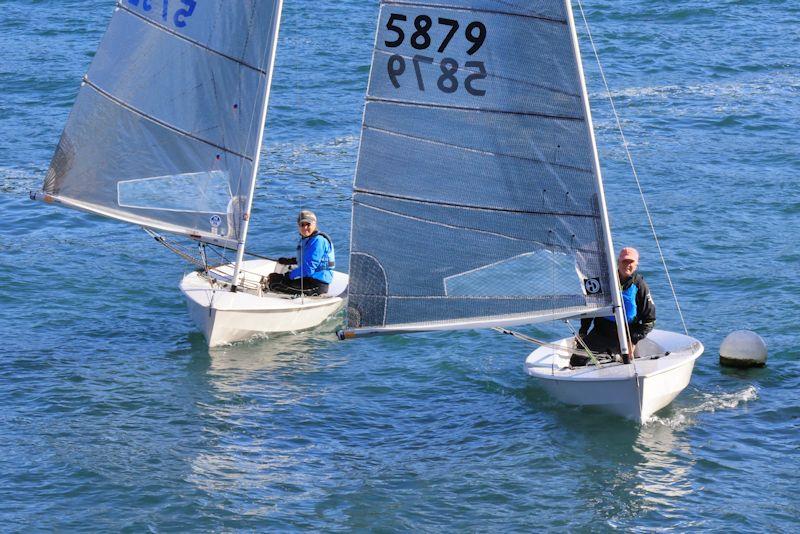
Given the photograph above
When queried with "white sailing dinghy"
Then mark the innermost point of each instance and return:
(478, 200)
(166, 133)
(661, 370)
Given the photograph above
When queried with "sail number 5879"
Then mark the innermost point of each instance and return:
(420, 39)
(475, 32)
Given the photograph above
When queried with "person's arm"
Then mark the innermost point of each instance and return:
(646, 313)
(312, 255)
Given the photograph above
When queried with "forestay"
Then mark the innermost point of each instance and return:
(165, 128)
(476, 199)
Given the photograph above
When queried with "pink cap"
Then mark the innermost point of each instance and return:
(628, 253)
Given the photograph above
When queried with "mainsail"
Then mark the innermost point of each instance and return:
(166, 128)
(477, 196)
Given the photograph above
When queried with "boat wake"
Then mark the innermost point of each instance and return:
(682, 416)
(755, 86)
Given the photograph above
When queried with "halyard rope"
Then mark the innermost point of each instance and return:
(633, 167)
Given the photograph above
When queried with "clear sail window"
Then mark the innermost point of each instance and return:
(538, 273)
(202, 192)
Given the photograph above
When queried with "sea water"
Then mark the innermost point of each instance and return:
(115, 416)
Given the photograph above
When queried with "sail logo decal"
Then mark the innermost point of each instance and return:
(418, 31)
(592, 286)
(184, 11)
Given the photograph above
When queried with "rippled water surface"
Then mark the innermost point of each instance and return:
(116, 416)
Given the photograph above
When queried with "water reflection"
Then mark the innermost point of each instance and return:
(287, 352)
(662, 474)
(623, 474)
(616, 470)
(263, 419)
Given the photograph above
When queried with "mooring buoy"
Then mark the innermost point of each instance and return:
(743, 348)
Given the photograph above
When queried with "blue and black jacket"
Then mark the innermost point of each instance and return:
(315, 258)
(640, 312)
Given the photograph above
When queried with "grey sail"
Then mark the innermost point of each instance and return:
(477, 198)
(166, 126)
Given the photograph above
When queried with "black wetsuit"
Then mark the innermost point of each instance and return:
(640, 311)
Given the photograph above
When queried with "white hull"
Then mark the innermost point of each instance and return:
(635, 391)
(225, 317)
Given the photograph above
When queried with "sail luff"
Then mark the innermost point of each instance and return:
(361, 137)
(616, 296)
(257, 156)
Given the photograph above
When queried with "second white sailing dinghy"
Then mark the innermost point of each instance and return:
(478, 200)
(166, 133)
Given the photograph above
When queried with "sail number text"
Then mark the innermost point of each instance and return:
(184, 11)
(420, 39)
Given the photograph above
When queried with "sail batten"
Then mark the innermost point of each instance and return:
(163, 124)
(548, 245)
(473, 9)
(453, 226)
(188, 40)
(372, 99)
(475, 197)
(493, 209)
(466, 148)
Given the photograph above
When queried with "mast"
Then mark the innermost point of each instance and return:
(616, 296)
(257, 158)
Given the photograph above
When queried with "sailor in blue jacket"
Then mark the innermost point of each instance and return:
(640, 312)
(314, 261)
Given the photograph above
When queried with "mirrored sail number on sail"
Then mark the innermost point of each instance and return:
(184, 11)
(420, 39)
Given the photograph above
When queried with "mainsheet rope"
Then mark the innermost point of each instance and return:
(547, 344)
(203, 261)
(173, 248)
(633, 167)
(580, 342)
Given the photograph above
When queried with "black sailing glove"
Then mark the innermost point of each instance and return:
(640, 331)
